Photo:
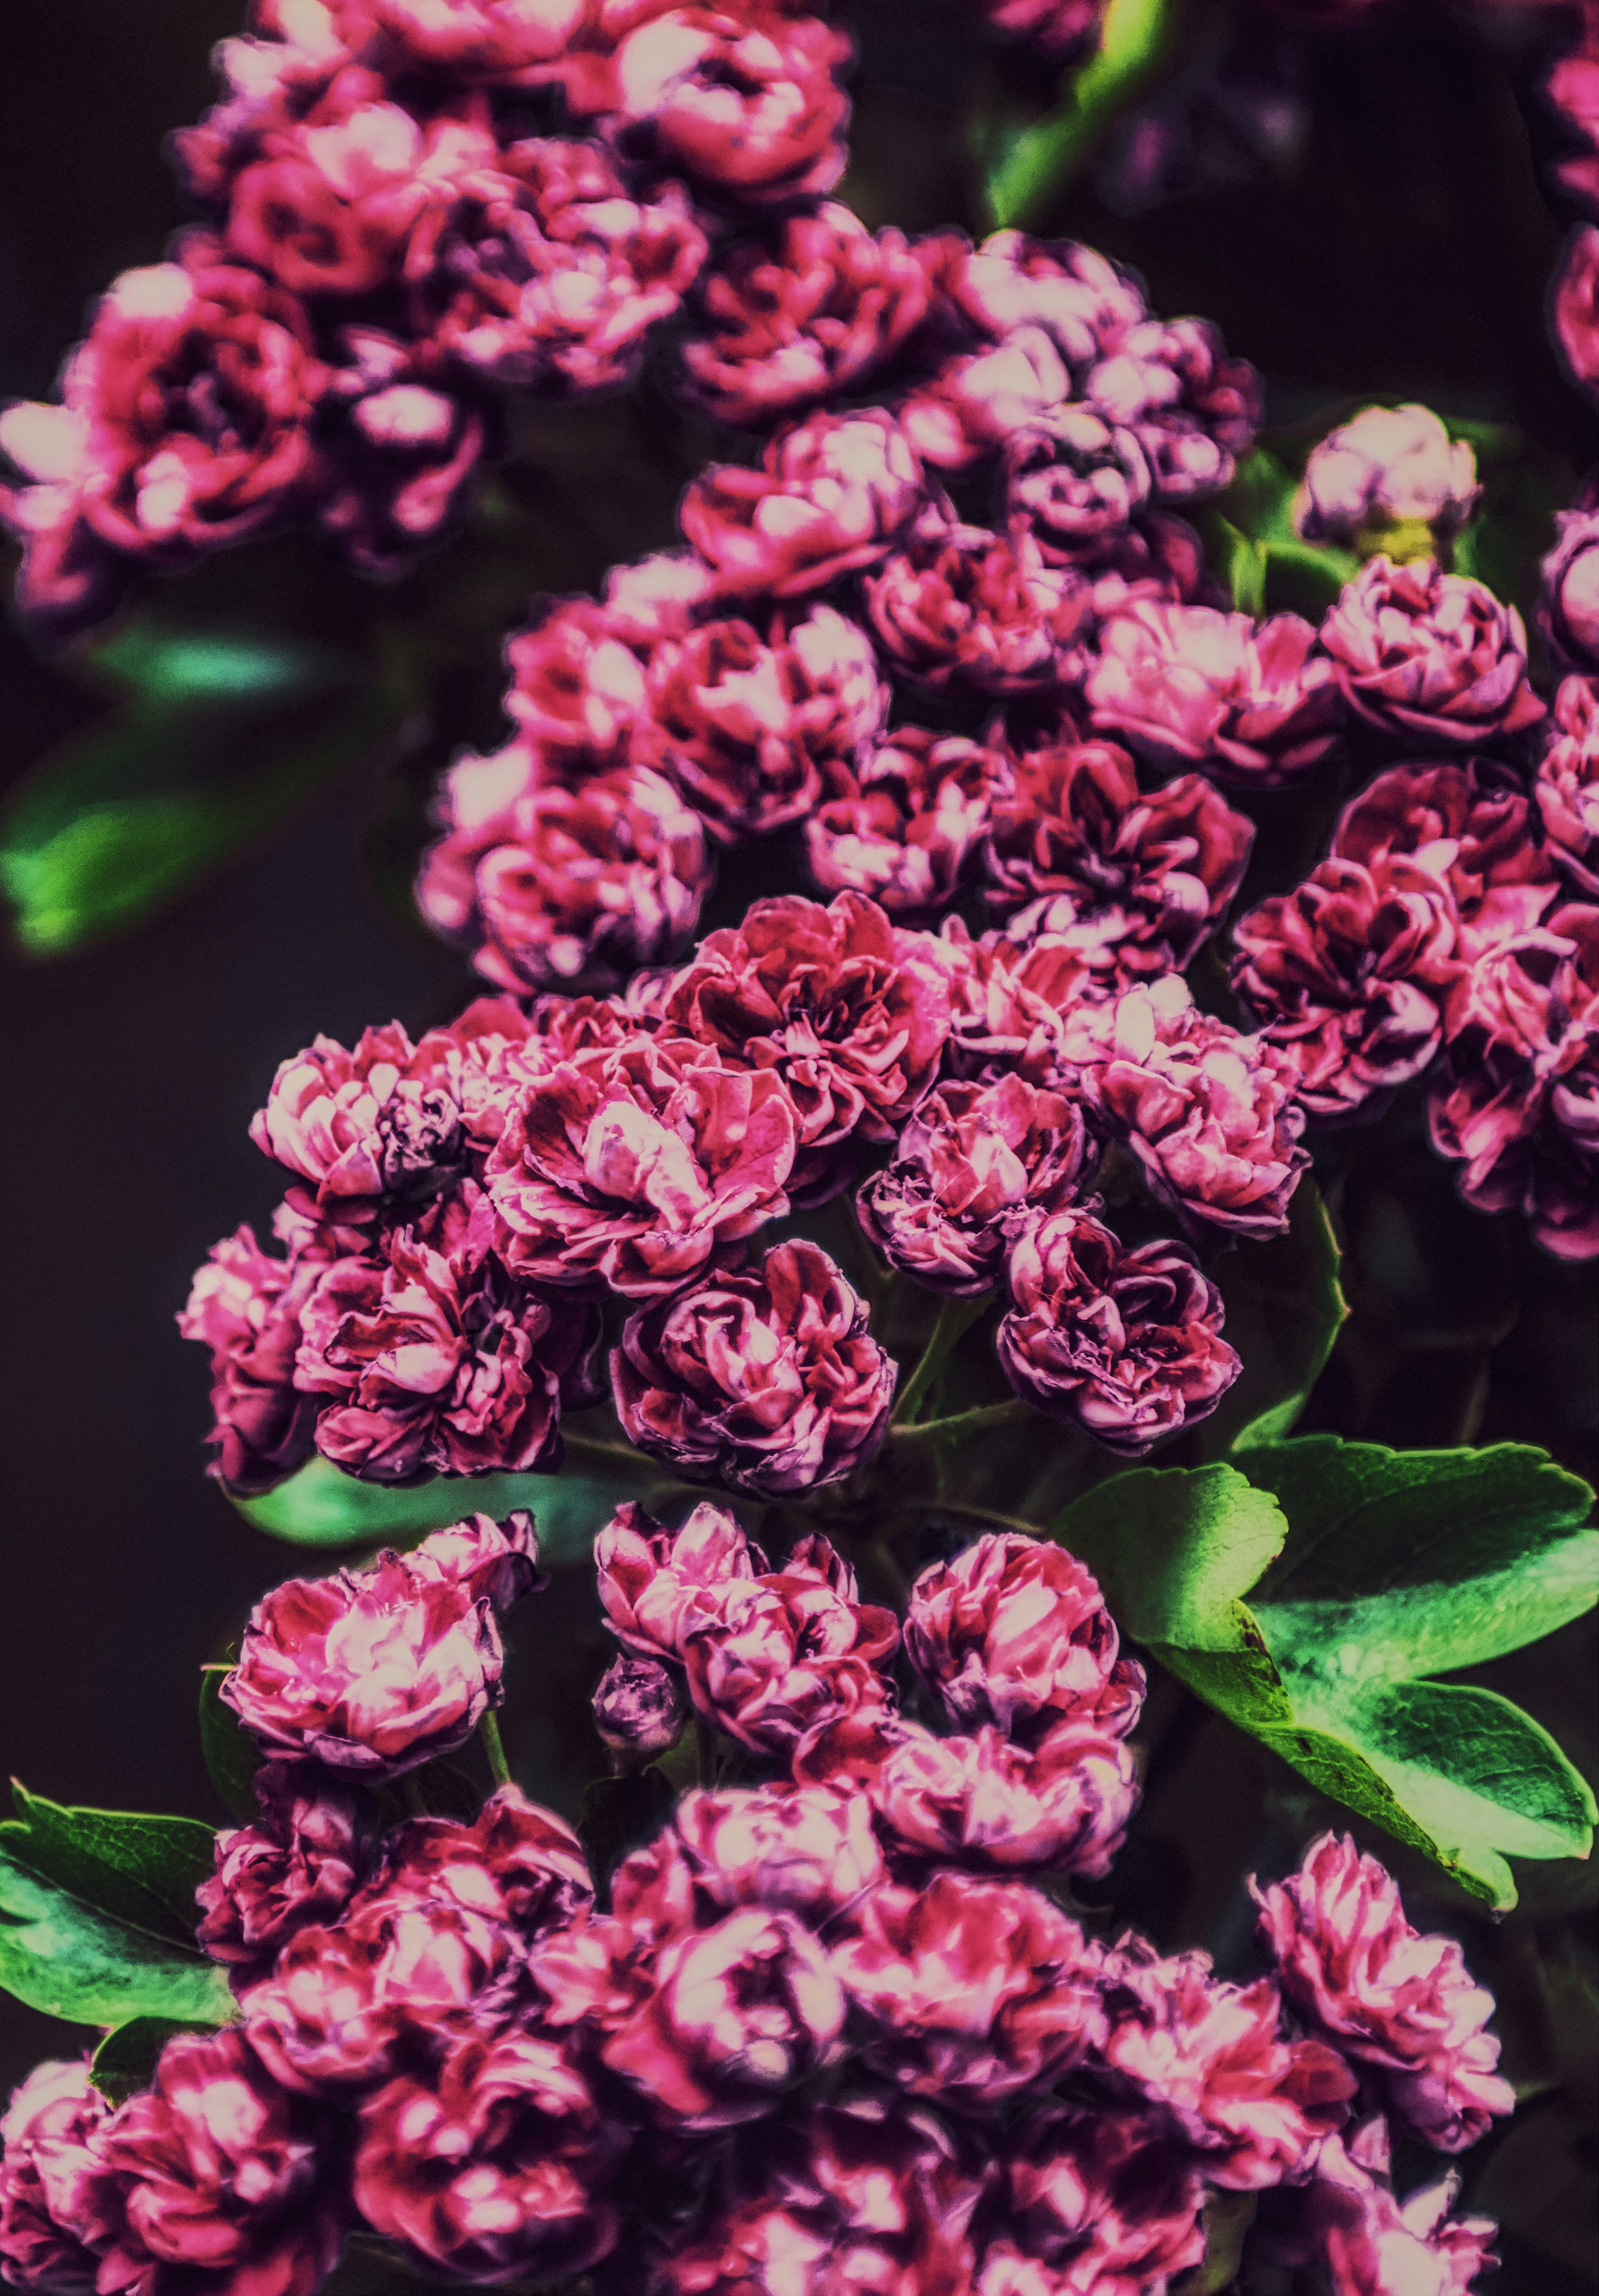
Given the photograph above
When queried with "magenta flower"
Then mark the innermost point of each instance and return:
(397, 455)
(961, 608)
(384, 1120)
(1469, 824)
(1109, 2194)
(806, 308)
(313, 1847)
(493, 40)
(639, 1167)
(975, 401)
(1419, 652)
(245, 1305)
(370, 1671)
(1072, 476)
(1569, 609)
(832, 493)
(516, 1865)
(1124, 1343)
(770, 1658)
(1192, 409)
(969, 1168)
(905, 825)
(1347, 2217)
(1568, 786)
(576, 690)
(1391, 466)
(650, 1578)
(639, 1707)
(1574, 309)
(806, 1851)
(1015, 1632)
(1010, 1002)
(1058, 27)
(216, 2179)
(1136, 883)
(1060, 1806)
(1256, 705)
(1086, 303)
(52, 2211)
(492, 1562)
(767, 1383)
(750, 730)
(497, 2164)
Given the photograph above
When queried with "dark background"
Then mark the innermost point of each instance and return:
(1400, 248)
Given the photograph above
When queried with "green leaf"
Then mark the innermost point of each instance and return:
(232, 1757)
(97, 1916)
(126, 2059)
(1024, 168)
(1284, 1308)
(321, 1506)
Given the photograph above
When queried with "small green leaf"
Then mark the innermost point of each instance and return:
(1284, 1309)
(95, 1922)
(321, 1506)
(126, 2059)
(1026, 168)
(232, 1757)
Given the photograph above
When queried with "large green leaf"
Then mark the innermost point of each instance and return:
(1383, 1569)
(1023, 168)
(127, 2058)
(1284, 1309)
(97, 1916)
(232, 1757)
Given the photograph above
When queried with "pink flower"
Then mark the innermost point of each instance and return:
(658, 597)
(1210, 1113)
(1347, 974)
(806, 1851)
(640, 1167)
(1087, 304)
(1058, 27)
(969, 1167)
(1138, 882)
(967, 1990)
(245, 1305)
(904, 827)
(1568, 786)
(1253, 2105)
(743, 101)
(792, 316)
(1014, 1632)
(650, 1578)
(1255, 704)
(480, 39)
(370, 1671)
(1390, 466)
(398, 456)
(639, 1708)
(1010, 1002)
(314, 1847)
(1393, 2000)
(215, 2178)
(497, 2164)
(766, 1383)
(1417, 650)
(539, 273)
(747, 729)
(1191, 408)
(832, 493)
(493, 1562)
(382, 1121)
(1072, 476)
(51, 2212)
(439, 1360)
(1469, 824)
(975, 401)
(850, 1010)
(515, 1864)
(1574, 309)
(1518, 1103)
(576, 690)
(1124, 1343)
(769, 1657)
(1059, 1806)
(960, 607)
(736, 2017)
(1569, 609)
(1106, 2198)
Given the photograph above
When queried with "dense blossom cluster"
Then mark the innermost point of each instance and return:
(826, 2028)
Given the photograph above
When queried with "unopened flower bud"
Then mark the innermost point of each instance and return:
(639, 1708)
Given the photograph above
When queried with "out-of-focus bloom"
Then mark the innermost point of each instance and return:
(400, 446)
(904, 827)
(1346, 2220)
(969, 1990)
(1087, 304)
(1574, 309)
(1136, 882)
(1419, 652)
(971, 1165)
(961, 608)
(736, 2017)
(1015, 1632)
(370, 1671)
(848, 1009)
(540, 273)
(491, 40)
(1466, 824)
(1396, 2001)
(743, 101)
(1058, 27)
(650, 1578)
(770, 1658)
(1255, 704)
(1072, 476)
(245, 1305)
(808, 1850)
(766, 1382)
(639, 1167)
(311, 1850)
(1519, 1102)
(439, 1359)
(1210, 1113)
(803, 311)
(577, 689)
(1391, 466)
(1348, 975)
(1103, 2197)
(50, 2213)
(657, 597)
(215, 2177)
(1192, 409)
(832, 493)
(1126, 1344)
(639, 1708)
(1568, 786)
(1212, 2057)
(749, 730)
(1568, 609)
(977, 400)
(497, 2165)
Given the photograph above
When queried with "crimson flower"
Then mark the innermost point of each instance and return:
(770, 1658)
(1469, 824)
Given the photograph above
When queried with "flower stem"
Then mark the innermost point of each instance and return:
(949, 1432)
(494, 1746)
(956, 1317)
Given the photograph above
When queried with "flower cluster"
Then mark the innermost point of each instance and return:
(824, 2027)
